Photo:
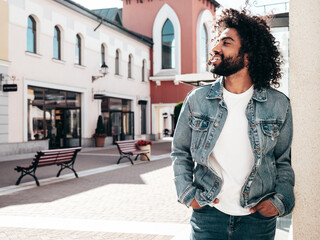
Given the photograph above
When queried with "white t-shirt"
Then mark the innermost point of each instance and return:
(232, 157)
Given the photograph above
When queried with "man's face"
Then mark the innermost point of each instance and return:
(226, 57)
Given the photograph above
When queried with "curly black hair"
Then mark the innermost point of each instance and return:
(257, 41)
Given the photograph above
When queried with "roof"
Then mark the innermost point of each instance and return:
(215, 3)
(116, 25)
(113, 14)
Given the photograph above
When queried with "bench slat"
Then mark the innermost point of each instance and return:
(63, 157)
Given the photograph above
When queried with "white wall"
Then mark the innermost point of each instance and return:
(41, 69)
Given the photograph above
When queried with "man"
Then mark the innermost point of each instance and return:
(232, 143)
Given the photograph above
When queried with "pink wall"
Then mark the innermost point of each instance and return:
(139, 17)
(168, 92)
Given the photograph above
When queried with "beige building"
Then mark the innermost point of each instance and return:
(4, 63)
(305, 98)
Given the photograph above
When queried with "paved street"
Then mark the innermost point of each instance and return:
(107, 201)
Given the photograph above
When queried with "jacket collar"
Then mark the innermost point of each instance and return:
(217, 89)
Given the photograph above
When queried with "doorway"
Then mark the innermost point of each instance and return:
(63, 127)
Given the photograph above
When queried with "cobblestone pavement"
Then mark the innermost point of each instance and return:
(107, 201)
(129, 202)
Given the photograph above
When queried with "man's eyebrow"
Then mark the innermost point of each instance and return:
(227, 38)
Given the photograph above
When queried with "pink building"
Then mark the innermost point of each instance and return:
(181, 31)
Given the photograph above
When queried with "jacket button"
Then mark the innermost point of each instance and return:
(207, 145)
(216, 184)
(216, 124)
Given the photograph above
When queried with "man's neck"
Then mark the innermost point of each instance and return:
(238, 82)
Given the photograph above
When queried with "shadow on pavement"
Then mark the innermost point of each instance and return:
(55, 191)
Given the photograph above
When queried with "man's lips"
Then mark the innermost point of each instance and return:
(215, 58)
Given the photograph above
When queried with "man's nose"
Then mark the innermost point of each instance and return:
(216, 48)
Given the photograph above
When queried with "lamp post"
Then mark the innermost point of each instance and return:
(103, 70)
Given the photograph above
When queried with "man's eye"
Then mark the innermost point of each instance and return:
(226, 43)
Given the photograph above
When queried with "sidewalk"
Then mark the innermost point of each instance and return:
(107, 201)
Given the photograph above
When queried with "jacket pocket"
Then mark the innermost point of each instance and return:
(271, 130)
(199, 125)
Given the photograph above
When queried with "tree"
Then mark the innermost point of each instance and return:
(176, 112)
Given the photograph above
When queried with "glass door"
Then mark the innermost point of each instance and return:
(122, 125)
(63, 127)
(72, 130)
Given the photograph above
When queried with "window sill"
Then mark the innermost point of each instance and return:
(58, 61)
(80, 66)
(118, 76)
(33, 54)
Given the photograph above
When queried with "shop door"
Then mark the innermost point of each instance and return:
(122, 125)
(64, 128)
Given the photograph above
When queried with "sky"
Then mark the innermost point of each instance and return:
(96, 4)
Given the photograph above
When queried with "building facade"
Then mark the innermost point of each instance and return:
(54, 49)
(181, 37)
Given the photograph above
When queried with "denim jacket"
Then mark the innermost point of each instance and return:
(200, 123)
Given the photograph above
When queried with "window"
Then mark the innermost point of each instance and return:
(117, 63)
(57, 43)
(130, 66)
(144, 118)
(168, 46)
(32, 35)
(204, 49)
(103, 54)
(143, 70)
(78, 59)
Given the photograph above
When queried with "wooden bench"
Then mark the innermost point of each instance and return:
(128, 149)
(64, 158)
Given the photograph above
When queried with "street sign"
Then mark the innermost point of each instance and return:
(10, 88)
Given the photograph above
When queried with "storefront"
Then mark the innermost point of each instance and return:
(118, 118)
(54, 115)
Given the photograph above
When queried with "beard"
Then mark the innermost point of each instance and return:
(229, 65)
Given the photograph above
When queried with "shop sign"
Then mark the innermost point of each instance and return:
(10, 88)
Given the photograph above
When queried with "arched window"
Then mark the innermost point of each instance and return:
(168, 46)
(57, 43)
(204, 49)
(32, 35)
(130, 66)
(78, 52)
(117, 62)
(143, 70)
(103, 54)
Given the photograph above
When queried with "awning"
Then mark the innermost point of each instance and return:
(195, 79)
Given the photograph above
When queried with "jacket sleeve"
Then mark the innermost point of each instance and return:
(183, 164)
(284, 200)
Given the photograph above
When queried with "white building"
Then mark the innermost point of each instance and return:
(55, 47)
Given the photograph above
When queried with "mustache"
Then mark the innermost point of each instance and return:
(212, 56)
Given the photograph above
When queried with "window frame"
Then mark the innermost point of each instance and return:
(59, 42)
(117, 62)
(78, 46)
(130, 60)
(33, 30)
(172, 47)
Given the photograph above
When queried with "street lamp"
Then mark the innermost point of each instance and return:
(103, 70)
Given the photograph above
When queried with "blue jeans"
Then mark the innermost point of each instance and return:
(208, 223)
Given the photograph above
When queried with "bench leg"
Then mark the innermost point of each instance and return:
(125, 157)
(19, 179)
(64, 166)
(24, 173)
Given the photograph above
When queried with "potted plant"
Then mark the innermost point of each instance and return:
(100, 133)
(144, 145)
